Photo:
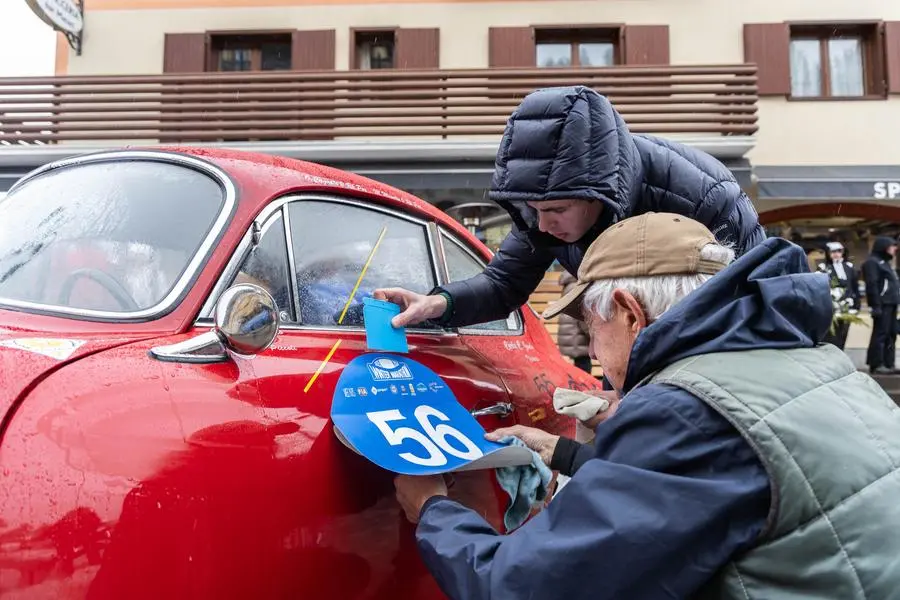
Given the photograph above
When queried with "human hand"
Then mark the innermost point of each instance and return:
(413, 491)
(537, 439)
(417, 308)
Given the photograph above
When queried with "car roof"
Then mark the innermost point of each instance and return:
(273, 176)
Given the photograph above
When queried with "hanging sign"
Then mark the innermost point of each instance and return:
(66, 16)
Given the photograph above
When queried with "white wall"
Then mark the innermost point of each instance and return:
(701, 32)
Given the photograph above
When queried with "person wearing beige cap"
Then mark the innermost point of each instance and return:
(745, 460)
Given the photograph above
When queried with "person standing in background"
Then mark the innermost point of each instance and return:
(572, 336)
(842, 275)
(882, 296)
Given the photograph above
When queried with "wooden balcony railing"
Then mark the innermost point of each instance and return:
(298, 105)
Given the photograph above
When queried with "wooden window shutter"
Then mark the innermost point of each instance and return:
(892, 56)
(417, 49)
(312, 50)
(510, 47)
(874, 63)
(646, 45)
(184, 53)
(768, 45)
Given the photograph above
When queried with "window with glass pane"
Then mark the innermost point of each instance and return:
(831, 61)
(267, 267)
(462, 265)
(554, 55)
(375, 50)
(276, 56)
(331, 243)
(587, 47)
(596, 54)
(107, 236)
(845, 65)
(251, 52)
(236, 59)
(806, 68)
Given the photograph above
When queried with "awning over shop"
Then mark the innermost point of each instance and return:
(10, 175)
(411, 165)
(824, 183)
(470, 174)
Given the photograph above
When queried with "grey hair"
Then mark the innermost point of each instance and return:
(656, 293)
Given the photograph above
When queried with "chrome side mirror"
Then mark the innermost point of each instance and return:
(246, 324)
(246, 319)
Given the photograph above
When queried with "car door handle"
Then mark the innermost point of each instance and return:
(503, 409)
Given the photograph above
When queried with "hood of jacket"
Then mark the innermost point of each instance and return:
(765, 299)
(880, 246)
(565, 143)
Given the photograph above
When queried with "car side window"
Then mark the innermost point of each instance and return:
(463, 265)
(267, 266)
(332, 242)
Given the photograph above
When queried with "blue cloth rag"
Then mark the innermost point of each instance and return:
(526, 485)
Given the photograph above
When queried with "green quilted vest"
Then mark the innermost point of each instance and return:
(829, 438)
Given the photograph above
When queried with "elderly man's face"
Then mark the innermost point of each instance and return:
(612, 341)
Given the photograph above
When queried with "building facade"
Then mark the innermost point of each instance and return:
(822, 159)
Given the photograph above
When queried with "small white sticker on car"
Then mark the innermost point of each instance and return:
(60, 349)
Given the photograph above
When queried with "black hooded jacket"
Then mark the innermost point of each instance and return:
(570, 143)
(882, 286)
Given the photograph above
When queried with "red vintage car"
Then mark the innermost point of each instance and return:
(152, 448)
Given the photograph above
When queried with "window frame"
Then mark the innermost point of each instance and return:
(870, 34)
(252, 40)
(282, 204)
(258, 229)
(575, 35)
(443, 235)
(193, 269)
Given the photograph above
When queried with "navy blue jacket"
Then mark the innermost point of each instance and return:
(669, 491)
(570, 143)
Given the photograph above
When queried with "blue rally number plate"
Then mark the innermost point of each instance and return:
(401, 415)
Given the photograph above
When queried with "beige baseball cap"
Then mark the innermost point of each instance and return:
(648, 244)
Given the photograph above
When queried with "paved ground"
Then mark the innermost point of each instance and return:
(857, 341)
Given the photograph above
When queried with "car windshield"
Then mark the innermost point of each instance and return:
(114, 237)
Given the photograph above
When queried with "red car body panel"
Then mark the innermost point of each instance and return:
(122, 476)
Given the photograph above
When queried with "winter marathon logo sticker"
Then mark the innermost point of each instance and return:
(388, 369)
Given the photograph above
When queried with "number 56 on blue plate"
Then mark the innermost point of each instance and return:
(401, 416)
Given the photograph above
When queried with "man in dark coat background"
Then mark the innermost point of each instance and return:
(572, 335)
(882, 296)
(568, 168)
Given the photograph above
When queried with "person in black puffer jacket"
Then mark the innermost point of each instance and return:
(568, 168)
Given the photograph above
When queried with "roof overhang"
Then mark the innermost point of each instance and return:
(407, 164)
(861, 183)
